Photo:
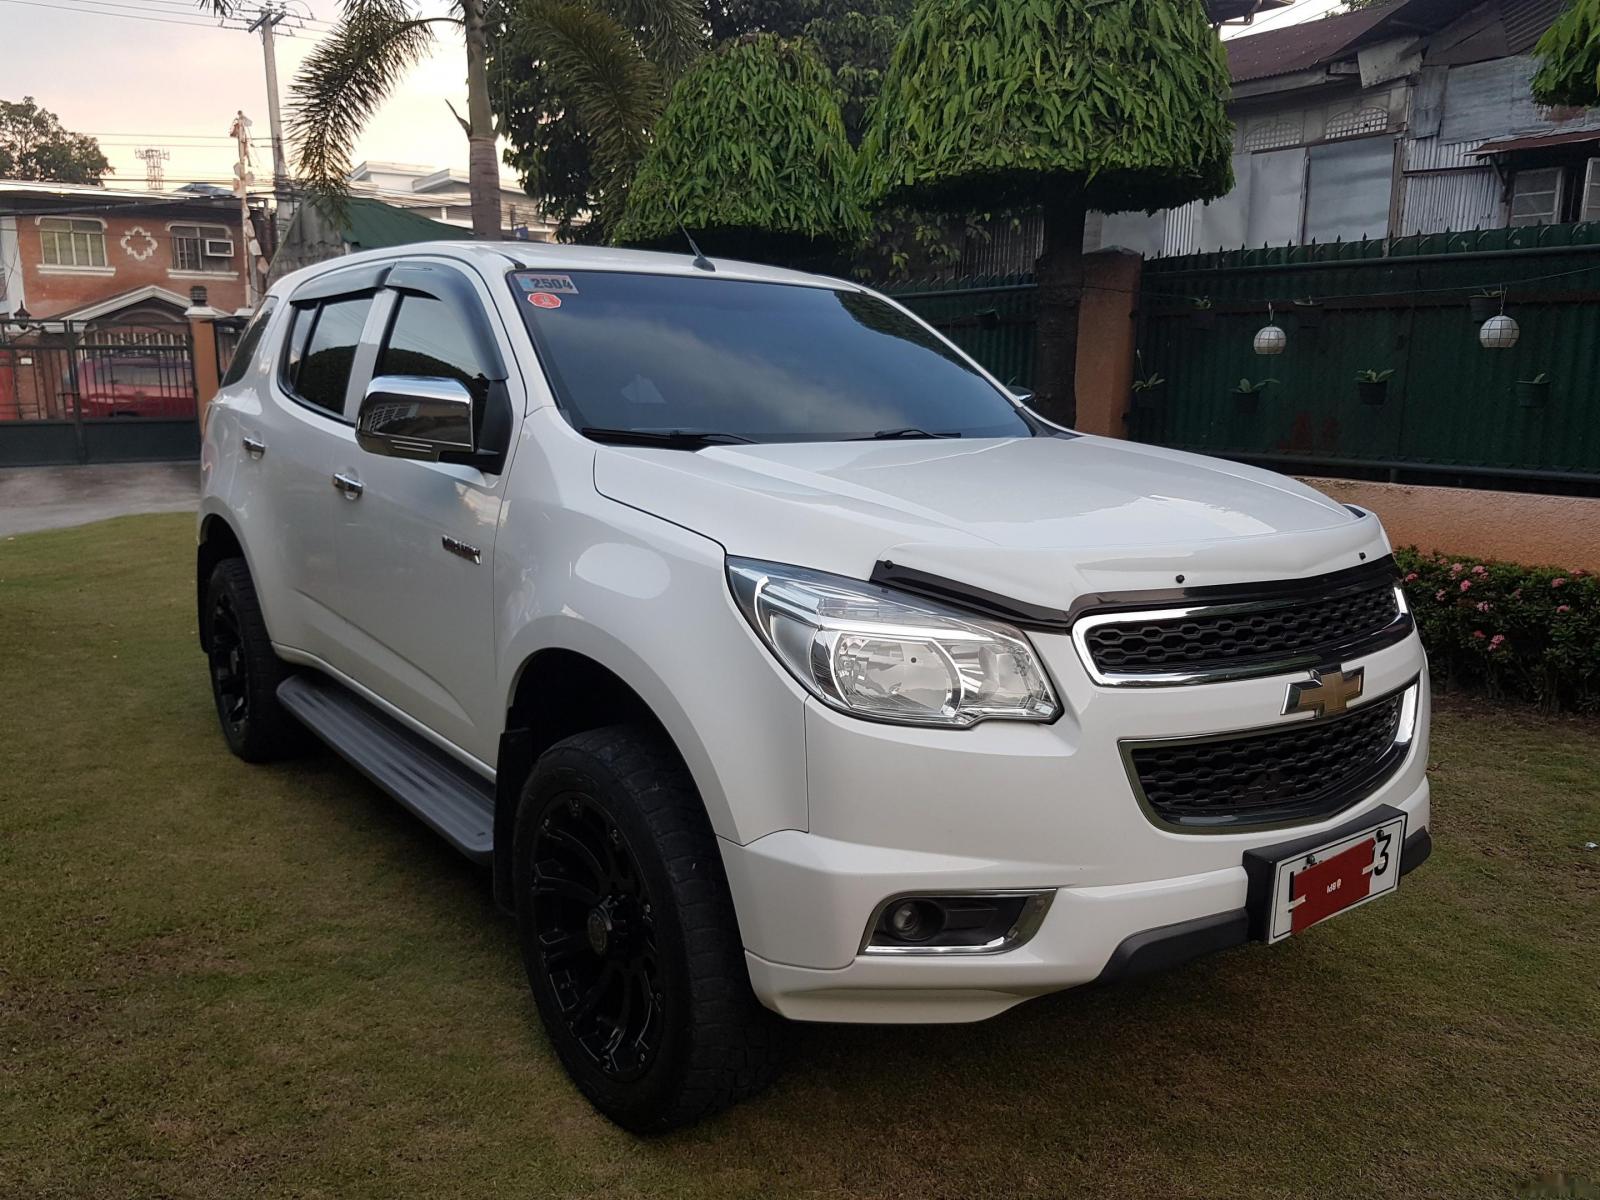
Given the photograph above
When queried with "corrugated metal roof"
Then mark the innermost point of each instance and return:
(1537, 142)
(372, 225)
(1307, 44)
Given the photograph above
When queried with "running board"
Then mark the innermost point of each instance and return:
(451, 799)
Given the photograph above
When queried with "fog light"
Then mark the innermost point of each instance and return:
(915, 920)
(961, 923)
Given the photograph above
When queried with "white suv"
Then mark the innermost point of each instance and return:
(773, 656)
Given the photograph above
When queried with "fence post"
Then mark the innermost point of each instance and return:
(1106, 340)
(203, 354)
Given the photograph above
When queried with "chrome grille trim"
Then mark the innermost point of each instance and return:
(1397, 630)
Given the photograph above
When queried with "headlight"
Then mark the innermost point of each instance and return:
(876, 653)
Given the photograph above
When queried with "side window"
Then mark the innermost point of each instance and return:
(428, 337)
(245, 351)
(317, 365)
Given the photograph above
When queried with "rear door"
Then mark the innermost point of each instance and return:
(415, 550)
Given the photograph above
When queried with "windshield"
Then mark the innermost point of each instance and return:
(758, 362)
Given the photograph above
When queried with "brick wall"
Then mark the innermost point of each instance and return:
(139, 252)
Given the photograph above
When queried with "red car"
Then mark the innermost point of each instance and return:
(136, 385)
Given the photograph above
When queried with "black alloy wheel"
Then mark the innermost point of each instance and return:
(245, 670)
(628, 933)
(230, 668)
(594, 926)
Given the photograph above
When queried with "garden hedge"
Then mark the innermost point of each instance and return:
(1531, 633)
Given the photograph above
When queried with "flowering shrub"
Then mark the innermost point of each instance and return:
(1529, 632)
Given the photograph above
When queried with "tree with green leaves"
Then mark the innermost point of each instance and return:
(1569, 58)
(34, 145)
(1057, 105)
(751, 156)
(577, 86)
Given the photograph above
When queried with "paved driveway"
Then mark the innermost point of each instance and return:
(34, 498)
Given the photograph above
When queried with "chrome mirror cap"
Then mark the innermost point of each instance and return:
(413, 416)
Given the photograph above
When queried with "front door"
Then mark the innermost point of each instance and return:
(416, 565)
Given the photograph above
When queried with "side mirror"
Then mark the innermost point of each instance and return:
(1022, 395)
(413, 416)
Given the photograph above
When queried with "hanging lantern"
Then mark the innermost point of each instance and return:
(1499, 333)
(1270, 339)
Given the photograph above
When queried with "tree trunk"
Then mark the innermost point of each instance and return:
(483, 168)
(1060, 275)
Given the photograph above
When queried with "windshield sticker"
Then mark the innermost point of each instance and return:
(548, 283)
(544, 300)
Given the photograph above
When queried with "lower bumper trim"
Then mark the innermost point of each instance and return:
(1167, 946)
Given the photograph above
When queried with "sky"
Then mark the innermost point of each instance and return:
(158, 73)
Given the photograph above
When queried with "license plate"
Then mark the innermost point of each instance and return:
(1322, 881)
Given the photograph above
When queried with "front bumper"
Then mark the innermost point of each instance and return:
(1006, 806)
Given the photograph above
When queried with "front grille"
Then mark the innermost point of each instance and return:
(1306, 770)
(1236, 636)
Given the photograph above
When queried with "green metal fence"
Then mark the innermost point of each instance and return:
(991, 317)
(1451, 407)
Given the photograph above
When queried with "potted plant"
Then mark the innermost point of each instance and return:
(1486, 304)
(1532, 393)
(1309, 314)
(1147, 387)
(1373, 386)
(1247, 395)
(1205, 315)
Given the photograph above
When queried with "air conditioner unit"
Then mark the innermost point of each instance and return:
(219, 247)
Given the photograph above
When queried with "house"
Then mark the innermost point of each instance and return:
(444, 195)
(1408, 117)
(314, 236)
(74, 252)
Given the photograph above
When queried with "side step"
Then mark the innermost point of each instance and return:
(454, 801)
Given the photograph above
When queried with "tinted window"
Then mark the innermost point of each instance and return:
(429, 338)
(322, 373)
(768, 362)
(246, 349)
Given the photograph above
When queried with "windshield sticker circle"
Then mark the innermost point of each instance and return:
(544, 300)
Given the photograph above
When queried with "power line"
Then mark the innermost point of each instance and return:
(63, 7)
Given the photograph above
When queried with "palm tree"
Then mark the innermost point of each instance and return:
(353, 70)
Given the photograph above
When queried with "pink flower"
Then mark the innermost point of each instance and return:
(1466, 585)
(1563, 608)
(1497, 641)
(1559, 581)
(1478, 633)
(1580, 573)
(1483, 606)
(1517, 595)
(1480, 570)
(1412, 577)
(1439, 595)
(1455, 568)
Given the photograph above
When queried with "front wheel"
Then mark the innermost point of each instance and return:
(245, 670)
(629, 937)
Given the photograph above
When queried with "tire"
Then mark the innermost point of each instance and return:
(629, 937)
(245, 672)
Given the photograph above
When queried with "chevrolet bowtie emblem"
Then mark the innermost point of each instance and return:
(1326, 693)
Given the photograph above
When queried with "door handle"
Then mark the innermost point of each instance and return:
(254, 446)
(349, 485)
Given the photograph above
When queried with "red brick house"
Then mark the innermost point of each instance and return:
(79, 253)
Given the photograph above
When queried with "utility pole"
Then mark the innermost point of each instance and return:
(267, 21)
(241, 186)
(154, 158)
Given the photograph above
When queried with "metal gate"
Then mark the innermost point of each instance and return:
(71, 393)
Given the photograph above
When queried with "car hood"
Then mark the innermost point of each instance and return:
(1031, 517)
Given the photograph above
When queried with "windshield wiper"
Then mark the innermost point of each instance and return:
(672, 439)
(910, 431)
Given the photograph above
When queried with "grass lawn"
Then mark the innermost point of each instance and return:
(219, 980)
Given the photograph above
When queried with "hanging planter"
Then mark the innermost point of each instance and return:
(1486, 304)
(1309, 314)
(1270, 339)
(1147, 389)
(1533, 393)
(1203, 314)
(1372, 387)
(1247, 395)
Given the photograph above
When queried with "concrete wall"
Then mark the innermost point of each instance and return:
(1106, 340)
(1519, 527)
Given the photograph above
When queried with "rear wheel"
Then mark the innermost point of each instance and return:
(245, 671)
(629, 937)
